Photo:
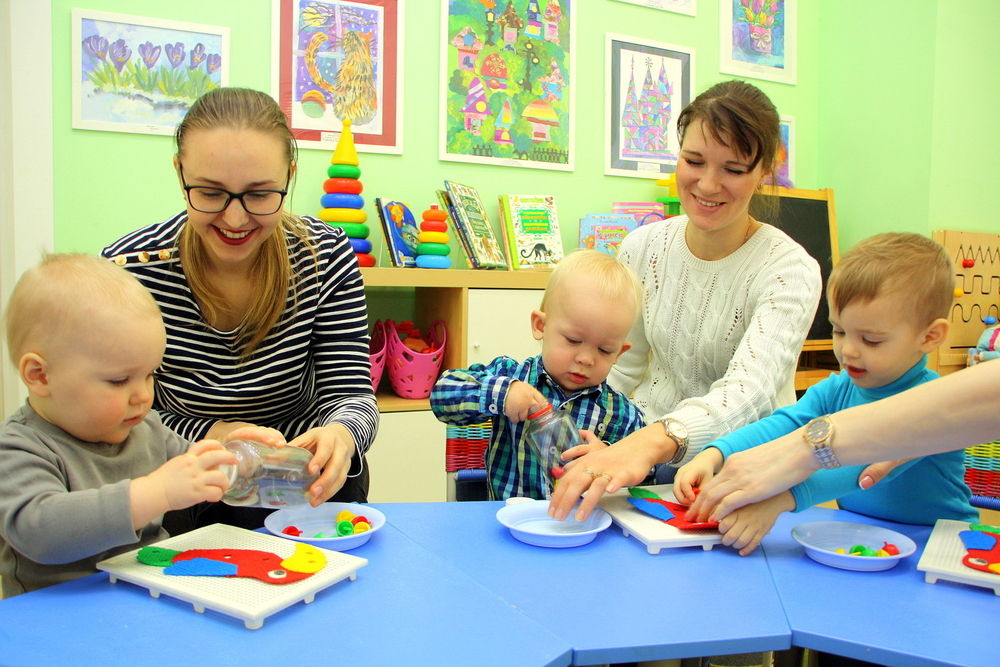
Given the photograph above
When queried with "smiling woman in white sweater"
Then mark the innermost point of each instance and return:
(728, 301)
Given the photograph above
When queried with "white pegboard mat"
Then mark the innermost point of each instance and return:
(942, 558)
(250, 600)
(649, 530)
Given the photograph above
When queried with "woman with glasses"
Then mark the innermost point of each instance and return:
(265, 311)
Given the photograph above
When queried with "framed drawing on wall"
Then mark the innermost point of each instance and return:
(784, 170)
(337, 59)
(648, 85)
(758, 39)
(507, 73)
(138, 74)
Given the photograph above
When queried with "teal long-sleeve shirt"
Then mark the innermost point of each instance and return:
(920, 491)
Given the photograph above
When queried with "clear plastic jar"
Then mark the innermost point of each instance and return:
(264, 476)
(551, 432)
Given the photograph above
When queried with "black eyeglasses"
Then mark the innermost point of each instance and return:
(216, 200)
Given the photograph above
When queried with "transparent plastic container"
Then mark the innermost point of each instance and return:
(272, 477)
(551, 432)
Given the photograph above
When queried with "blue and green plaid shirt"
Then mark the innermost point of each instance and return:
(464, 396)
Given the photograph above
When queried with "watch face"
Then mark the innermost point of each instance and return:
(819, 430)
(677, 428)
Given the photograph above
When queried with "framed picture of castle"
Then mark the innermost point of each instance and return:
(649, 83)
(507, 73)
(338, 59)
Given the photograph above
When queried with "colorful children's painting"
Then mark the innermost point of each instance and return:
(137, 74)
(335, 60)
(758, 39)
(784, 170)
(650, 82)
(507, 82)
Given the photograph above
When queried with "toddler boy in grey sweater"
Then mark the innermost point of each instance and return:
(88, 468)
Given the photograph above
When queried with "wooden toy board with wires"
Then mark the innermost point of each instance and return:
(977, 279)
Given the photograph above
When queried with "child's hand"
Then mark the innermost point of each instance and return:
(521, 398)
(181, 482)
(745, 527)
(694, 473)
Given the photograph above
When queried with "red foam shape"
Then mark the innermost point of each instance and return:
(679, 521)
(262, 565)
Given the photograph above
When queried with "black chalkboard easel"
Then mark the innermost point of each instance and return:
(808, 216)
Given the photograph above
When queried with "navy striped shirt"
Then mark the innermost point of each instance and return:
(472, 395)
(313, 369)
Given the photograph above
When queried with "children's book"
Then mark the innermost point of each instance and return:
(644, 212)
(531, 228)
(445, 201)
(469, 217)
(400, 229)
(605, 231)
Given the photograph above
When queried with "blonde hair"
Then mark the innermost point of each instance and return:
(614, 279)
(59, 298)
(271, 274)
(896, 263)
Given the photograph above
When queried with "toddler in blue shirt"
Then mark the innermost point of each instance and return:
(590, 303)
(889, 300)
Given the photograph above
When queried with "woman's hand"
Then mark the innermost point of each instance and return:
(333, 448)
(599, 470)
(753, 475)
(226, 431)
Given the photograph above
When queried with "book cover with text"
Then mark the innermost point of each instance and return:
(469, 218)
(531, 228)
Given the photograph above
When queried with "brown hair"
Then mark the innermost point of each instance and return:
(271, 275)
(896, 263)
(56, 300)
(741, 117)
(616, 281)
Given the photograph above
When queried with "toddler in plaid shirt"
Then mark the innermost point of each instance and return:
(589, 305)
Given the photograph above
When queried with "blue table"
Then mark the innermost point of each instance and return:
(610, 600)
(891, 617)
(406, 607)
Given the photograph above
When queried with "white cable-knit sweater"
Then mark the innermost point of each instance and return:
(717, 342)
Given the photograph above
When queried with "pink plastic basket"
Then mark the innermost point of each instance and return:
(413, 374)
(379, 349)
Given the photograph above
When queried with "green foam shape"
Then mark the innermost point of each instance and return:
(986, 528)
(157, 556)
(637, 492)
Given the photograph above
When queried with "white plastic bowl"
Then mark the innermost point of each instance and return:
(822, 539)
(323, 519)
(531, 524)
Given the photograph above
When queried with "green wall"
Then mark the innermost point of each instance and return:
(894, 99)
(909, 93)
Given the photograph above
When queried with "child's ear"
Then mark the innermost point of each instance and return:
(626, 346)
(35, 374)
(934, 335)
(537, 324)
